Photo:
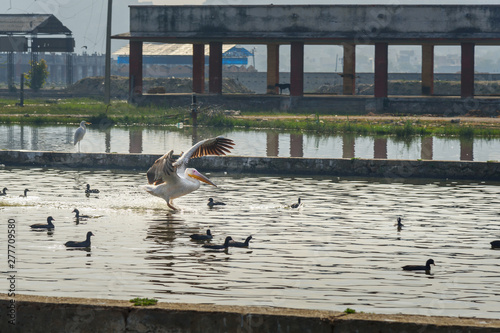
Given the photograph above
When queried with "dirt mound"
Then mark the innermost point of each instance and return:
(119, 86)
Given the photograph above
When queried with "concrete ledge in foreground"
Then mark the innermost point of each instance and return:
(380, 168)
(61, 314)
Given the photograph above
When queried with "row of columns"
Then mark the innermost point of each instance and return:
(297, 68)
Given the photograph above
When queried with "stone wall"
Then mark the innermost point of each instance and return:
(379, 168)
(62, 314)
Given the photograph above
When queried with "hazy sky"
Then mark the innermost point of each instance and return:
(87, 18)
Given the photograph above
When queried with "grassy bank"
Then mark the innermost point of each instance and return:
(72, 111)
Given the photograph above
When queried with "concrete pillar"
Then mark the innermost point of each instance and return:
(272, 144)
(215, 68)
(297, 69)
(135, 68)
(426, 148)
(199, 68)
(381, 65)
(466, 150)
(380, 148)
(467, 77)
(273, 68)
(348, 146)
(349, 70)
(427, 69)
(296, 145)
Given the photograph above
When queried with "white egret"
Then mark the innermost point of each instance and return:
(171, 179)
(80, 133)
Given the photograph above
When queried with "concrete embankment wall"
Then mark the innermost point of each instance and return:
(64, 314)
(379, 168)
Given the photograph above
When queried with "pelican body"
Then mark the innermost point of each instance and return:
(171, 179)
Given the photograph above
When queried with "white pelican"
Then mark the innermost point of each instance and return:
(171, 179)
(80, 133)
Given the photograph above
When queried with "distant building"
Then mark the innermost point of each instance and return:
(25, 37)
(162, 60)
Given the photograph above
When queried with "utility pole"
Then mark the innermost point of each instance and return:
(107, 72)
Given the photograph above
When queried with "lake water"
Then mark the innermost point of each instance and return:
(340, 250)
(159, 140)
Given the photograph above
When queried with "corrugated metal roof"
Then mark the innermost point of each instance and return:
(158, 49)
(31, 24)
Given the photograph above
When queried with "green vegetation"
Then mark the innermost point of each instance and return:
(73, 110)
(143, 301)
(349, 310)
(35, 78)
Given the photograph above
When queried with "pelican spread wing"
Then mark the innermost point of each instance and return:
(165, 167)
(171, 179)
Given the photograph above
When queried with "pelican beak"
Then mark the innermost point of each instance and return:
(88, 123)
(201, 177)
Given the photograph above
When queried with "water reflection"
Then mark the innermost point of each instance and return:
(248, 143)
(426, 151)
(348, 141)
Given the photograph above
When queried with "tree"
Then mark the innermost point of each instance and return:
(35, 79)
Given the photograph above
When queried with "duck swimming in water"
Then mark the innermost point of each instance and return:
(241, 244)
(85, 243)
(25, 193)
(219, 247)
(78, 216)
(206, 236)
(4, 191)
(89, 190)
(49, 224)
(495, 244)
(295, 205)
(212, 203)
(427, 266)
(399, 224)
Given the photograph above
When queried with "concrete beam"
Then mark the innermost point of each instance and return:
(319, 23)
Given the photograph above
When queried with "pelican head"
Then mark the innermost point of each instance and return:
(83, 123)
(193, 173)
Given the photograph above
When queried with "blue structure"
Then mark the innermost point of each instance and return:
(233, 56)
